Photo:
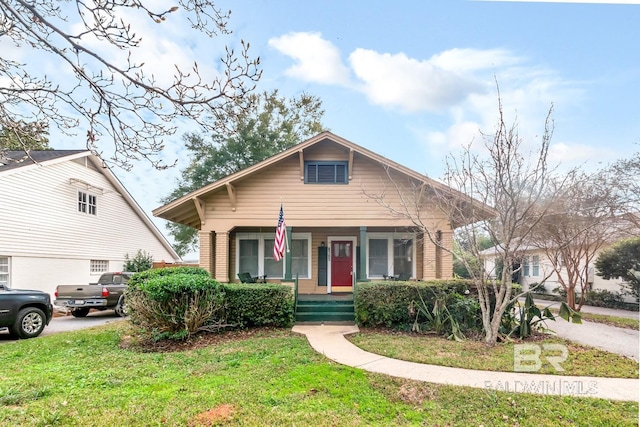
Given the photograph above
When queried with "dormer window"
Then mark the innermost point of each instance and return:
(326, 172)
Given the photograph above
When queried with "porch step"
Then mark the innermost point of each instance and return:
(325, 311)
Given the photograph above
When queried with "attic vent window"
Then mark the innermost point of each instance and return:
(326, 172)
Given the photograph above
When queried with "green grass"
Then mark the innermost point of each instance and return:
(620, 322)
(272, 379)
(434, 350)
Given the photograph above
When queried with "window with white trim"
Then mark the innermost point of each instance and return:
(87, 203)
(378, 257)
(98, 266)
(4, 271)
(535, 266)
(390, 254)
(531, 266)
(254, 255)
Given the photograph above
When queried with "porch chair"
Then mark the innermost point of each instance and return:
(402, 277)
(247, 278)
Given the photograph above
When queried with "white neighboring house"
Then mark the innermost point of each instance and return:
(535, 267)
(65, 218)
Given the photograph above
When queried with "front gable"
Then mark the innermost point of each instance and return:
(321, 180)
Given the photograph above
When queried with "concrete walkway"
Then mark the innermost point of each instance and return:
(329, 340)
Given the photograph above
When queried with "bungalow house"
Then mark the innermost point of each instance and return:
(65, 218)
(338, 201)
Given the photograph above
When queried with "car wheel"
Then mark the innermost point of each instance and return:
(29, 323)
(121, 308)
(80, 312)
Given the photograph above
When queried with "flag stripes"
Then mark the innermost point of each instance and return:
(278, 246)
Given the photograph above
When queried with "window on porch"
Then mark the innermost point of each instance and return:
(389, 255)
(254, 254)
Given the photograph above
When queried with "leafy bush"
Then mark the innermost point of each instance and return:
(522, 321)
(466, 312)
(258, 305)
(388, 303)
(439, 319)
(605, 298)
(176, 304)
(137, 279)
(622, 260)
(140, 262)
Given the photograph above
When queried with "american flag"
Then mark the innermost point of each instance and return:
(278, 246)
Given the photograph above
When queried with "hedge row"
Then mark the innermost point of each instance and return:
(389, 304)
(262, 304)
(177, 302)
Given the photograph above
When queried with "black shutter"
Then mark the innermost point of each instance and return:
(322, 266)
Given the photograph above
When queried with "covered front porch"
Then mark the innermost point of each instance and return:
(326, 260)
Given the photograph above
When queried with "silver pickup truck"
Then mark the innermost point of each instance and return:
(107, 294)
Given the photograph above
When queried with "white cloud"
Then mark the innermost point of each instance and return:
(317, 60)
(458, 82)
(409, 84)
(571, 154)
(467, 60)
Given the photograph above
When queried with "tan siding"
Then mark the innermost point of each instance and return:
(259, 197)
(446, 257)
(429, 265)
(222, 257)
(322, 209)
(420, 258)
(207, 240)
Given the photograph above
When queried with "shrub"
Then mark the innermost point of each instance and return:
(175, 304)
(140, 262)
(605, 298)
(137, 279)
(258, 305)
(388, 303)
(466, 312)
(524, 320)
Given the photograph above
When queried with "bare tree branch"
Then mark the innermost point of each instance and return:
(120, 103)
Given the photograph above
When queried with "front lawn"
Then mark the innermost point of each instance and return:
(435, 350)
(258, 378)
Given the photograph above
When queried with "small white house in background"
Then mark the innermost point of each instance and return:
(65, 218)
(535, 267)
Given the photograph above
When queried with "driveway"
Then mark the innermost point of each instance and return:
(70, 323)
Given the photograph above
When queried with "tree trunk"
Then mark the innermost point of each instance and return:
(571, 296)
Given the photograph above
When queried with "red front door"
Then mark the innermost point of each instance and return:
(341, 263)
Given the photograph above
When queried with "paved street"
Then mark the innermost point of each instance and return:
(70, 323)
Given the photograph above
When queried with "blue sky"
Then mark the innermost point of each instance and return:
(414, 80)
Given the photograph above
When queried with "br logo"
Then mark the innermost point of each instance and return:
(528, 357)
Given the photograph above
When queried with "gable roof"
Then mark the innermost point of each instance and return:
(178, 207)
(10, 160)
(17, 161)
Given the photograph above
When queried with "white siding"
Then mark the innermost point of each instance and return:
(551, 283)
(50, 242)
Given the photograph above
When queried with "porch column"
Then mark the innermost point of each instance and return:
(446, 257)
(221, 257)
(363, 254)
(206, 251)
(287, 257)
(428, 258)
